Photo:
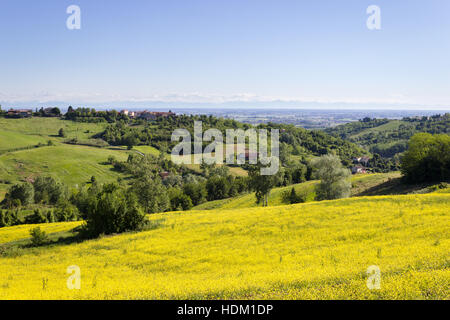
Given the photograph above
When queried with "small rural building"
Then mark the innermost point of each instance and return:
(358, 169)
(20, 113)
(164, 175)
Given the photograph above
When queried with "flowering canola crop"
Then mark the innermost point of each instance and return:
(318, 250)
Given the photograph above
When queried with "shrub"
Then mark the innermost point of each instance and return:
(293, 197)
(217, 187)
(9, 218)
(65, 211)
(61, 133)
(3, 222)
(112, 160)
(36, 218)
(50, 216)
(179, 200)
(38, 237)
(113, 212)
(196, 192)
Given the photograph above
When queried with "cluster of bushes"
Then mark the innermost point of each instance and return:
(48, 112)
(292, 196)
(182, 188)
(380, 164)
(9, 218)
(63, 213)
(110, 209)
(44, 190)
(427, 159)
(107, 209)
(94, 116)
(390, 141)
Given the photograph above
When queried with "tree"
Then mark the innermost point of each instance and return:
(61, 133)
(427, 158)
(66, 211)
(9, 218)
(151, 193)
(293, 197)
(179, 200)
(196, 191)
(217, 187)
(112, 160)
(334, 178)
(113, 211)
(130, 140)
(262, 184)
(36, 218)
(38, 237)
(23, 192)
(48, 190)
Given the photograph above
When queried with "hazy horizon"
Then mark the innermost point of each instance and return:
(292, 53)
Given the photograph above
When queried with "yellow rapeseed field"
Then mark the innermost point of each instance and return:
(318, 250)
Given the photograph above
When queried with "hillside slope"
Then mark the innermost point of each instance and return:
(21, 159)
(72, 164)
(361, 184)
(389, 137)
(318, 250)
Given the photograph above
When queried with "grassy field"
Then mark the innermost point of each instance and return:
(17, 133)
(72, 164)
(318, 250)
(390, 126)
(361, 183)
(14, 140)
(147, 150)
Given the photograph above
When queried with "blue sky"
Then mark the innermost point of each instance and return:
(226, 52)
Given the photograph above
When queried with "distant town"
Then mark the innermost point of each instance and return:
(56, 112)
(306, 118)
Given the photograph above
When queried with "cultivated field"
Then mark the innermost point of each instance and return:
(318, 250)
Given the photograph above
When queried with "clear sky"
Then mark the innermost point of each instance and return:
(226, 51)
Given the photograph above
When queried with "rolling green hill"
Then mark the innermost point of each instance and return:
(21, 159)
(72, 164)
(389, 137)
(361, 184)
(17, 133)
